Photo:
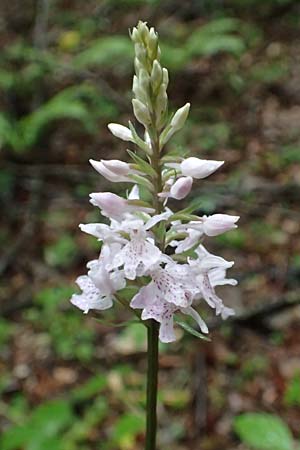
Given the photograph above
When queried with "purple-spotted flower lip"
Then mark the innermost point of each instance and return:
(162, 298)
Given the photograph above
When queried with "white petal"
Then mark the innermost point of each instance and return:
(134, 193)
(199, 168)
(217, 277)
(209, 294)
(212, 262)
(150, 255)
(99, 230)
(157, 218)
(166, 329)
(227, 312)
(91, 297)
(145, 297)
(195, 315)
(187, 243)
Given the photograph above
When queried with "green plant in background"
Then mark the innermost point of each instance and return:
(292, 392)
(62, 252)
(262, 431)
(81, 103)
(42, 430)
(68, 338)
(86, 103)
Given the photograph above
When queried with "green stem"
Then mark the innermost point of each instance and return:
(153, 326)
(152, 382)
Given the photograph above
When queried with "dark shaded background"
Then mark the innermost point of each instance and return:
(65, 72)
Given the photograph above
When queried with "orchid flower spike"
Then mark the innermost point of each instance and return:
(146, 246)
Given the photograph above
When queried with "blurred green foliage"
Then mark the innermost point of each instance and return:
(62, 252)
(253, 366)
(42, 429)
(262, 431)
(292, 392)
(69, 339)
(86, 102)
(82, 103)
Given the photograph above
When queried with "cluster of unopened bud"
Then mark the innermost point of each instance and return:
(151, 80)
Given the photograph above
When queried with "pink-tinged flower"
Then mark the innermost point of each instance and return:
(120, 132)
(115, 207)
(138, 255)
(113, 170)
(199, 168)
(209, 271)
(111, 205)
(218, 224)
(161, 298)
(196, 167)
(181, 188)
(99, 286)
(170, 284)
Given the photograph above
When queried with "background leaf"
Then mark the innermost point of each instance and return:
(263, 431)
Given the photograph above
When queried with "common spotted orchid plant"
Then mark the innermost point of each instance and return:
(145, 244)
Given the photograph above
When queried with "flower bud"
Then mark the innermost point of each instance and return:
(180, 117)
(120, 131)
(218, 224)
(137, 66)
(161, 106)
(156, 75)
(141, 112)
(111, 205)
(113, 170)
(181, 188)
(116, 166)
(138, 92)
(135, 83)
(199, 168)
(140, 53)
(143, 30)
(139, 142)
(115, 207)
(153, 45)
(165, 75)
(135, 37)
(144, 81)
(177, 122)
